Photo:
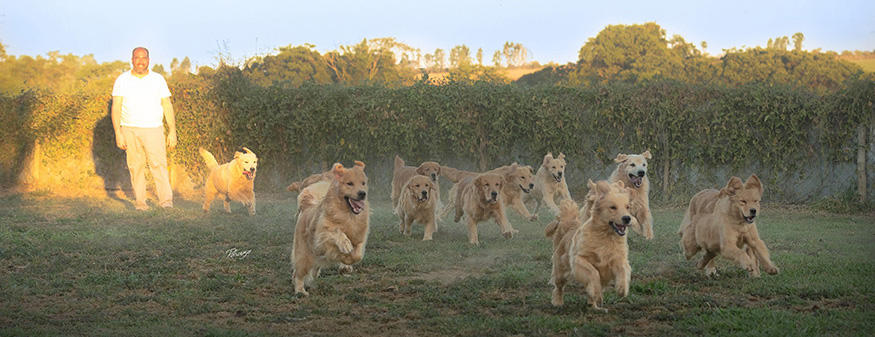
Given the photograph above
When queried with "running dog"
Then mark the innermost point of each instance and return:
(233, 180)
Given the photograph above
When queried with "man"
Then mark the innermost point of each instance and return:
(140, 100)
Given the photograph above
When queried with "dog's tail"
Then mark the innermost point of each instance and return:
(565, 221)
(687, 222)
(398, 162)
(208, 158)
(453, 174)
(451, 203)
(294, 187)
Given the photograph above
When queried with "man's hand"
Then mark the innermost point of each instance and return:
(171, 139)
(120, 141)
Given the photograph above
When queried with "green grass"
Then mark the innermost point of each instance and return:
(867, 64)
(96, 267)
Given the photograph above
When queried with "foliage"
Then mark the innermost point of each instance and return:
(641, 53)
(302, 130)
(56, 72)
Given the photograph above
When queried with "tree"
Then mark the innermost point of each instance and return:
(439, 59)
(480, 56)
(515, 54)
(631, 54)
(292, 65)
(797, 41)
(460, 55)
(368, 62)
(158, 68)
(496, 58)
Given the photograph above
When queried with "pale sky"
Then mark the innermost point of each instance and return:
(551, 30)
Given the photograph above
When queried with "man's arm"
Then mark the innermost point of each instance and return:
(116, 114)
(170, 117)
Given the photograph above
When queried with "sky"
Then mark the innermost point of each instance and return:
(553, 31)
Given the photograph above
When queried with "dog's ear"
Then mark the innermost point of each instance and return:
(732, 186)
(547, 159)
(421, 169)
(439, 168)
(647, 154)
(561, 156)
(247, 150)
(602, 188)
(621, 157)
(754, 182)
(513, 167)
(359, 164)
(501, 180)
(531, 169)
(338, 170)
(590, 184)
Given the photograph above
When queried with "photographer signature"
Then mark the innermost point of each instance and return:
(235, 253)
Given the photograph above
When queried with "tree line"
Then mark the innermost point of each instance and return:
(635, 53)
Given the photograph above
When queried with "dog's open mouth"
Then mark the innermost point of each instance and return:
(527, 190)
(249, 174)
(748, 219)
(620, 229)
(355, 206)
(636, 180)
(558, 178)
(422, 198)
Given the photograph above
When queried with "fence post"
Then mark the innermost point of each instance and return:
(862, 147)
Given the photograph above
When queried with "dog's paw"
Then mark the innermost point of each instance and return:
(344, 246)
(533, 218)
(509, 234)
(344, 269)
(772, 270)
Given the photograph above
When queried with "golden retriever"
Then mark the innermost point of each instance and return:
(549, 183)
(479, 199)
(233, 180)
(632, 171)
(417, 203)
(334, 230)
(722, 222)
(596, 253)
(519, 178)
(402, 174)
(312, 179)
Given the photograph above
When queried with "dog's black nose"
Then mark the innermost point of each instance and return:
(560, 174)
(641, 173)
(531, 185)
(424, 194)
(494, 194)
(362, 194)
(753, 212)
(626, 219)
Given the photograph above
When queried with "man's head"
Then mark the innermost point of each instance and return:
(140, 61)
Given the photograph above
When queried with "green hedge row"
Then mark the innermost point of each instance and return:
(297, 131)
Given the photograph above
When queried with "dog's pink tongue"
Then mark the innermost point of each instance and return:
(357, 205)
(635, 180)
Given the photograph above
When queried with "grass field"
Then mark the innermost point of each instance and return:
(867, 64)
(93, 266)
